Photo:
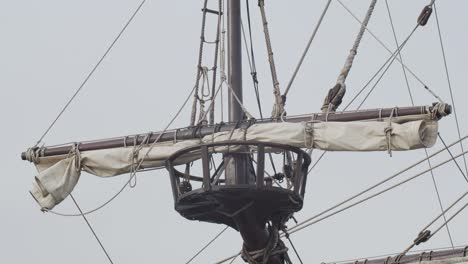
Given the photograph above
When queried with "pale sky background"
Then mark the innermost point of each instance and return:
(48, 47)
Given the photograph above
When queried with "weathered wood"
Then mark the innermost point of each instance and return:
(201, 131)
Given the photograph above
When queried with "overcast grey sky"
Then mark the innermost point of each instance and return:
(48, 47)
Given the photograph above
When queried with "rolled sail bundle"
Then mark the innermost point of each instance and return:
(58, 175)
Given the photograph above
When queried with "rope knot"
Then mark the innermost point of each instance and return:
(334, 97)
(440, 110)
(278, 110)
(33, 154)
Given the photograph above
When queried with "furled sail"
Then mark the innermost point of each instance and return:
(58, 175)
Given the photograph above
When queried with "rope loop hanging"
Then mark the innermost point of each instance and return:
(335, 95)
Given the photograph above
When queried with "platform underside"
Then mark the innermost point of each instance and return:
(222, 203)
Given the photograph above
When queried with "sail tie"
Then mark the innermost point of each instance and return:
(388, 131)
(33, 154)
(309, 135)
(135, 153)
(335, 95)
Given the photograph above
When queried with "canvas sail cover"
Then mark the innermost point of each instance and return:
(58, 175)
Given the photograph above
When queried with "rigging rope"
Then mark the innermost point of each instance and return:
(278, 108)
(423, 84)
(449, 83)
(251, 58)
(202, 71)
(454, 160)
(207, 245)
(132, 175)
(304, 225)
(441, 206)
(294, 248)
(308, 222)
(378, 184)
(412, 103)
(387, 65)
(306, 50)
(90, 73)
(253, 73)
(199, 66)
(425, 234)
(335, 95)
(253, 69)
(92, 230)
(400, 57)
(215, 63)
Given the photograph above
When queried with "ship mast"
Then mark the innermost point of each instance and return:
(255, 236)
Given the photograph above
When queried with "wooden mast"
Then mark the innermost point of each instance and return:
(253, 232)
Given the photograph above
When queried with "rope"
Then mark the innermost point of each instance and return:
(137, 167)
(421, 22)
(253, 69)
(251, 58)
(294, 248)
(202, 71)
(92, 230)
(451, 155)
(91, 73)
(212, 101)
(199, 65)
(222, 59)
(434, 115)
(215, 64)
(244, 109)
(253, 72)
(336, 94)
(449, 83)
(375, 185)
(425, 234)
(400, 57)
(306, 50)
(278, 108)
(296, 228)
(318, 160)
(441, 206)
(385, 65)
(208, 244)
(423, 84)
(388, 132)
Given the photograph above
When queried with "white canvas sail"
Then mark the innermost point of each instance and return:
(58, 175)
